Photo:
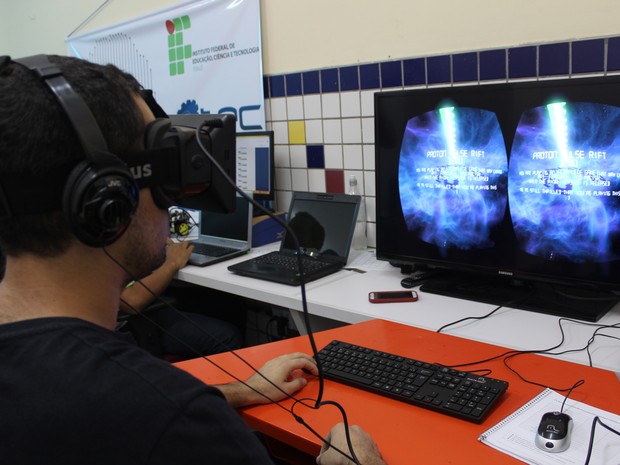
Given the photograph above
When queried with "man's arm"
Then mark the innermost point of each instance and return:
(278, 378)
(366, 451)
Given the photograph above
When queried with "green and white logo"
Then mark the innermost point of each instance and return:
(178, 51)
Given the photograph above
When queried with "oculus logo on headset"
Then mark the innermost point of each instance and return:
(141, 171)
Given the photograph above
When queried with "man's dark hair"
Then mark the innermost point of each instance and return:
(36, 137)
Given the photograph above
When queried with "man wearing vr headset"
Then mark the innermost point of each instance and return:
(74, 391)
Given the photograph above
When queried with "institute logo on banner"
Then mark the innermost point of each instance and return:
(178, 51)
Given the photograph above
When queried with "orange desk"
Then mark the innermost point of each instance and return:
(406, 434)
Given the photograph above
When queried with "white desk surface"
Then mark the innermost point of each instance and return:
(343, 296)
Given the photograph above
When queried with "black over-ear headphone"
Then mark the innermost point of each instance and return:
(100, 195)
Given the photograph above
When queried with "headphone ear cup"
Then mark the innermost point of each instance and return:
(99, 203)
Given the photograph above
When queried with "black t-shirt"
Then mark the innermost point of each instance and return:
(74, 393)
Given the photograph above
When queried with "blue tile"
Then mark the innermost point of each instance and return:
(465, 67)
(276, 86)
(315, 156)
(492, 65)
(349, 78)
(522, 62)
(439, 69)
(588, 56)
(391, 74)
(414, 72)
(329, 80)
(265, 87)
(311, 82)
(293, 84)
(553, 59)
(369, 76)
(613, 54)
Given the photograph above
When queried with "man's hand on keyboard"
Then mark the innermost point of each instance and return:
(364, 447)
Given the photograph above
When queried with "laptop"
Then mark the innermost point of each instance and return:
(223, 235)
(324, 225)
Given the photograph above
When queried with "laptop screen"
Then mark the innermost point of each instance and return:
(322, 222)
(230, 225)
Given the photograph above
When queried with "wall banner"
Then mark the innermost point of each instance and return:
(201, 56)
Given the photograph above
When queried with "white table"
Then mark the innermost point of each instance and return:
(342, 298)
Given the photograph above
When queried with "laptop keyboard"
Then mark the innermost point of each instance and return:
(290, 262)
(211, 250)
(452, 392)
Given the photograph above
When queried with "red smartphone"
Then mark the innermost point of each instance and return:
(379, 297)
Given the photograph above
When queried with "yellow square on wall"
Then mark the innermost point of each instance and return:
(296, 132)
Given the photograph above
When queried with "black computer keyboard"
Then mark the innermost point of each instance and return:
(452, 392)
(291, 261)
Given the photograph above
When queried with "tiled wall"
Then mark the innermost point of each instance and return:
(323, 119)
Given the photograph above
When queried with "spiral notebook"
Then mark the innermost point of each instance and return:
(515, 434)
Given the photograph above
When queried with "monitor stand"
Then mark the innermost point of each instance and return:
(553, 299)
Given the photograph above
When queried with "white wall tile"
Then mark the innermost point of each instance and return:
(314, 131)
(312, 106)
(368, 102)
(278, 109)
(300, 180)
(316, 180)
(350, 105)
(283, 179)
(352, 155)
(298, 156)
(332, 131)
(369, 183)
(280, 132)
(333, 157)
(281, 156)
(331, 105)
(351, 131)
(368, 130)
(369, 156)
(295, 108)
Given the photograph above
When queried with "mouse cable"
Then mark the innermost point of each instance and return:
(507, 304)
(596, 420)
(570, 391)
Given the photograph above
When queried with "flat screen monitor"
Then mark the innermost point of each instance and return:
(512, 189)
(255, 164)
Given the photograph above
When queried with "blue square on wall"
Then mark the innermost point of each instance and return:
(439, 70)
(349, 78)
(414, 72)
(588, 56)
(553, 59)
(369, 76)
(315, 156)
(522, 62)
(311, 82)
(492, 65)
(465, 67)
(329, 80)
(391, 74)
(293, 84)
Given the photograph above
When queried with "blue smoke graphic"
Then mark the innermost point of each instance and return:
(452, 177)
(563, 177)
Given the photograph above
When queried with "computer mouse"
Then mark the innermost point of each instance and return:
(554, 432)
